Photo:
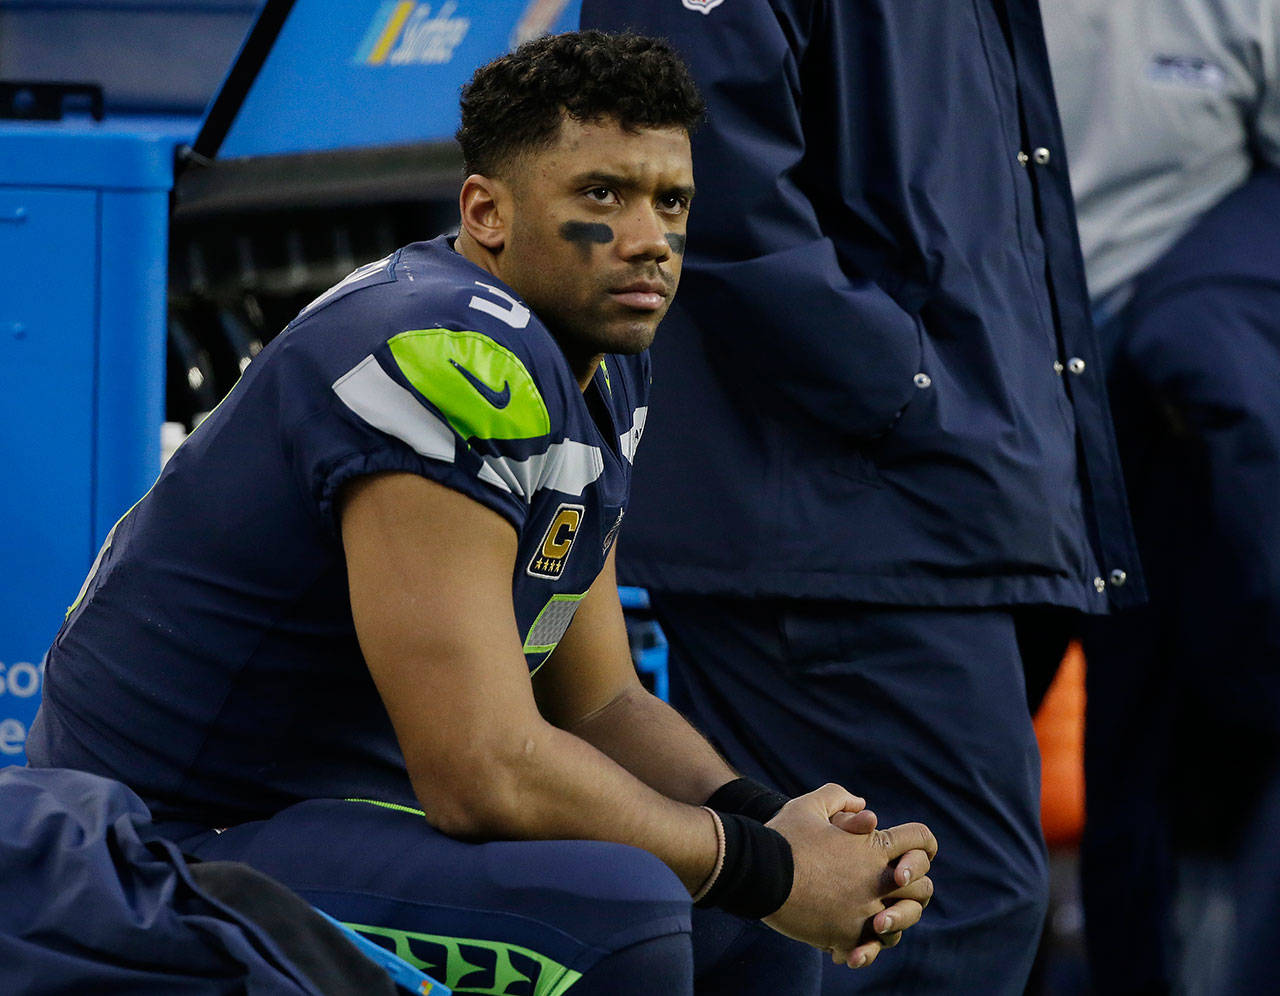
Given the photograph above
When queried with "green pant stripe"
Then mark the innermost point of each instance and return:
(390, 805)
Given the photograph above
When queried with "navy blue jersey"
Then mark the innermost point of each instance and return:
(211, 662)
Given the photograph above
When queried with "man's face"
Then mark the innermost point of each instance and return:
(596, 235)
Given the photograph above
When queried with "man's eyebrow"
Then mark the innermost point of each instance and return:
(604, 179)
(623, 181)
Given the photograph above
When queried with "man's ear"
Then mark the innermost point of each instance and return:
(485, 208)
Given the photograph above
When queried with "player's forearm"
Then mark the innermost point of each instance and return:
(656, 744)
(545, 783)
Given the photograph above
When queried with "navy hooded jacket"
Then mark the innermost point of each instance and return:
(878, 381)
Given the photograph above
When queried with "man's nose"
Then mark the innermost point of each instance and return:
(644, 236)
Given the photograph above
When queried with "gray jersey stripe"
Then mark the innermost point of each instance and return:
(631, 440)
(357, 274)
(370, 392)
(552, 623)
(489, 475)
(572, 466)
(520, 477)
(567, 467)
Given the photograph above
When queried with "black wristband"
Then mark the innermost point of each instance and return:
(747, 797)
(758, 870)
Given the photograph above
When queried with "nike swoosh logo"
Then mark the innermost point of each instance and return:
(499, 399)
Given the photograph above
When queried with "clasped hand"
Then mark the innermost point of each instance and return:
(856, 887)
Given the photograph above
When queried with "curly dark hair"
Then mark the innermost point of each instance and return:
(515, 103)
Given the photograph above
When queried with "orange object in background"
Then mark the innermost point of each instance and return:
(1059, 725)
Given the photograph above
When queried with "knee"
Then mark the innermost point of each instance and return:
(616, 873)
(616, 894)
(631, 905)
(661, 964)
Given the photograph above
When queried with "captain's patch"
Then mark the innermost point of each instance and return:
(548, 560)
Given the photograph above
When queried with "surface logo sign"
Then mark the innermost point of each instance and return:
(404, 33)
(17, 681)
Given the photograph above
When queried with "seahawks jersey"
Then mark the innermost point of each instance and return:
(211, 661)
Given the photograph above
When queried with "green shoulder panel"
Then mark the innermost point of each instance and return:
(481, 386)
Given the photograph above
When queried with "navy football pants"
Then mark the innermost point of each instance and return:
(923, 713)
(524, 918)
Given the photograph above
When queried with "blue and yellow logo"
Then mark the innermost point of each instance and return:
(405, 32)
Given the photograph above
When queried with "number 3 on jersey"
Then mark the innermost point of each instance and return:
(513, 313)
